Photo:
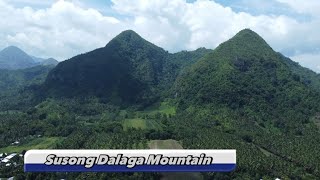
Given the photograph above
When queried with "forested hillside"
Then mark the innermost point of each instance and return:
(127, 70)
(14, 79)
(305, 75)
(17, 87)
(130, 94)
(244, 92)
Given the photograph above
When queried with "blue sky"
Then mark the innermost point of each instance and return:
(64, 28)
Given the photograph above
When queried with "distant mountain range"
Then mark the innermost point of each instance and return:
(14, 58)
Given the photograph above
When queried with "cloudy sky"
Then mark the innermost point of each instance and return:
(64, 28)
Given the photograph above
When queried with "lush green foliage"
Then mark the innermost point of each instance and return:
(17, 87)
(14, 79)
(244, 92)
(127, 70)
(131, 94)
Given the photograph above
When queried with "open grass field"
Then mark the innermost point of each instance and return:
(136, 123)
(139, 123)
(37, 143)
(145, 119)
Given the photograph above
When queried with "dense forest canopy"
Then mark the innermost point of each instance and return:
(128, 69)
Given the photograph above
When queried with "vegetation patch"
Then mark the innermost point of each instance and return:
(165, 144)
(136, 123)
(160, 108)
(38, 143)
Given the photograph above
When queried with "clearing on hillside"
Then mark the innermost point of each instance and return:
(162, 108)
(139, 123)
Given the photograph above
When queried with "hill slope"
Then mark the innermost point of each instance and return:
(12, 79)
(45, 62)
(243, 72)
(246, 96)
(49, 61)
(14, 58)
(305, 75)
(128, 69)
(15, 85)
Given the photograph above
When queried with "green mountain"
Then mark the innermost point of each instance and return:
(14, 58)
(243, 72)
(128, 69)
(246, 96)
(49, 61)
(45, 62)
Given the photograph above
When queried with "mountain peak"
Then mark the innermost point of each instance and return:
(249, 35)
(245, 42)
(14, 58)
(248, 31)
(12, 49)
(128, 32)
(127, 36)
(130, 41)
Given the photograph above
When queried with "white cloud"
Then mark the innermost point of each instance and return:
(207, 23)
(302, 6)
(61, 31)
(67, 28)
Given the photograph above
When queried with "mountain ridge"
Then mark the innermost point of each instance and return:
(13, 58)
(127, 62)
